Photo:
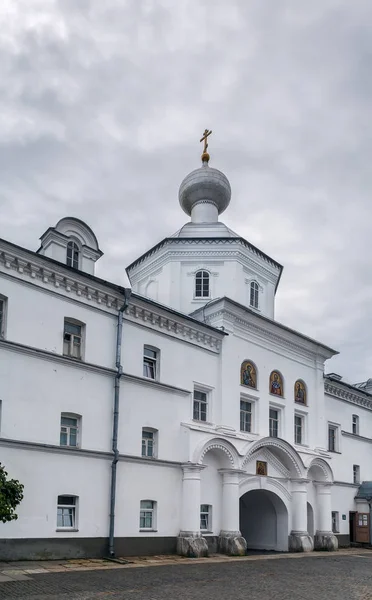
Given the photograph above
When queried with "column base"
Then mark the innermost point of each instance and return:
(232, 543)
(300, 541)
(325, 540)
(192, 545)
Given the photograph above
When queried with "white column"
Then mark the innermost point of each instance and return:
(190, 516)
(299, 506)
(324, 507)
(230, 501)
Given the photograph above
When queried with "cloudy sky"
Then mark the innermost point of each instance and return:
(102, 104)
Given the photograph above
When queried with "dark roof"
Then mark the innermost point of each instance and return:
(365, 490)
(267, 320)
(350, 386)
(206, 240)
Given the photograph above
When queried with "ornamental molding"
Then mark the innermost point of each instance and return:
(216, 444)
(271, 460)
(190, 332)
(324, 467)
(347, 395)
(49, 276)
(280, 445)
(262, 482)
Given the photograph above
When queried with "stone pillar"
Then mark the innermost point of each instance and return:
(299, 538)
(230, 540)
(190, 541)
(324, 537)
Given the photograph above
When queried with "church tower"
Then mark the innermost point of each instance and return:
(205, 259)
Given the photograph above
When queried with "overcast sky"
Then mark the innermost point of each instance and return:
(103, 102)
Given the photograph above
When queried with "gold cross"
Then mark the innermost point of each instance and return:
(205, 139)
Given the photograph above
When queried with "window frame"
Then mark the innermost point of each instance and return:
(204, 275)
(254, 290)
(154, 433)
(71, 342)
(355, 424)
(73, 260)
(336, 428)
(302, 429)
(3, 316)
(74, 512)
(245, 412)
(335, 521)
(208, 514)
(200, 390)
(356, 474)
(66, 415)
(279, 419)
(154, 361)
(148, 510)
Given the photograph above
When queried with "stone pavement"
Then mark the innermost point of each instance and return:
(342, 575)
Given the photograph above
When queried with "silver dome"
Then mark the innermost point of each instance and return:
(205, 185)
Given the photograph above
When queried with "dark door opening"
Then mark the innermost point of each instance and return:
(352, 518)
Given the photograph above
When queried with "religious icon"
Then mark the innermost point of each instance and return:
(276, 384)
(248, 374)
(261, 467)
(300, 392)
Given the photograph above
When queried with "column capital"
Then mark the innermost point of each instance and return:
(192, 468)
(323, 485)
(232, 472)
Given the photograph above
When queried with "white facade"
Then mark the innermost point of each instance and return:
(202, 460)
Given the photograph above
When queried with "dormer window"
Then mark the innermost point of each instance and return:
(72, 258)
(202, 284)
(253, 298)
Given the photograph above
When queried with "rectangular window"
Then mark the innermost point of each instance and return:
(273, 423)
(2, 317)
(66, 512)
(148, 443)
(200, 406)
(332, 438)
(147, 514)
(150, 363)
(355, 425)
(69, 431)
(206, 517)
(298, 429)
(72, 340)
(356, 474)
(335, 522)
(245, 416)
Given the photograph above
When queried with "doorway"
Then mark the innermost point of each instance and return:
(264, 521)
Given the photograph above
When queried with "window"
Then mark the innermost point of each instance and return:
(355, 425)
(150, 360)
(245, 416)
(72, 256)
(147, 514)
(356, 474)
(66, 512)
(298, 429)
(332, 438)
(335, 522)
(253, 297)
(206, 517)
(273, 422)
(200, 406)
(202, 284)
(3, 304)
(148, 443)
(69, 435)
(72, 339)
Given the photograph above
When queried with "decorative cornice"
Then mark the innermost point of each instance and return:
(25, 445)
(155, 384)
(51, 356)
(354, 397)
(358, 438)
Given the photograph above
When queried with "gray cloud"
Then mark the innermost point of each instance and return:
(101, 109)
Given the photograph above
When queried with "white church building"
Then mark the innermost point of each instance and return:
(178, 416)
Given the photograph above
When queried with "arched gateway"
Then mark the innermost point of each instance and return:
(261, 498)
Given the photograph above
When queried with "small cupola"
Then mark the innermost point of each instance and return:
(72, 243)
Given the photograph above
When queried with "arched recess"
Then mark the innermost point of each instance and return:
(310, 520)
(283, 451)
(319, 470)
(227, 452)
(264, 514)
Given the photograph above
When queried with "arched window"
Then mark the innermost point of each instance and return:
(248, 374)
(276, 384)
(300, 392)
(253, 298)
(202, 284)
(72, 259)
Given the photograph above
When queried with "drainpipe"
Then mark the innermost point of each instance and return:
(115, 425)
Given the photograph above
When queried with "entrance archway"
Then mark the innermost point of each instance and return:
(264, 521)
